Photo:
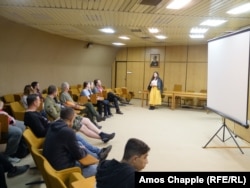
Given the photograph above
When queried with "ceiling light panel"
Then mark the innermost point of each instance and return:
(178, 4)
(198, 30)
(213, 23)
(107, 30)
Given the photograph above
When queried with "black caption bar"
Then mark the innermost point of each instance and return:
(192, 179)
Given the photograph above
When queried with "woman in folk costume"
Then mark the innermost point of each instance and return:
(155, 89)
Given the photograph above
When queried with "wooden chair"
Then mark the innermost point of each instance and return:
(17, 110)
(82, 100)
(177, 87)
(9, 98)
(74, 92)
(127, 95)
(188, 101)
(4, 128)
(200, 101)
(118, 91)
(93, 98)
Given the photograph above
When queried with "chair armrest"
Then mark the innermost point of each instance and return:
(88, 160)
(76, 180)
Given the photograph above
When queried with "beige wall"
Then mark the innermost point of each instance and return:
(28, 55)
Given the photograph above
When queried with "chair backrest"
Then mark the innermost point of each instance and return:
(82, 100)
(203, 91)
(32, 140)
(177, 87)
(118, 91)
(53, 178)
(93, 98)
(17, 110)
(105, 94)
(9, 98)
(39, 160)
(4, 128)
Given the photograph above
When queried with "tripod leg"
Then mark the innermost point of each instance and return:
(234, 139)
(213, 136)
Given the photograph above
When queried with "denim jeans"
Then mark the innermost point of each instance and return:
(92, 150)
(15, 133)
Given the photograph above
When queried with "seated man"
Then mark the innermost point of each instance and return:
(113, 174)
(15, 133)
(111, 96)
(53, 108)
(65, 153)
(39, 125)
(12, 171)
(67, 100)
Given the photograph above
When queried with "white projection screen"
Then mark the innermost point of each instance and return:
(228, 76)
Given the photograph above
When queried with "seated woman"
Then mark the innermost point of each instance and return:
(101, 103)
(26, 91)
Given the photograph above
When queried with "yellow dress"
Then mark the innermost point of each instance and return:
(154, 96)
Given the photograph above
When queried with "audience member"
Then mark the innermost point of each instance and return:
(36, 88)
(53, 109)
(111, 97)
(65, 153)
(113, 174)
(155, 88)
(26, 91)
(36, 121)
(66, 100)
(101, 103)
(12, 171)
(15, 132)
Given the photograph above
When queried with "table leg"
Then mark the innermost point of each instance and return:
(173, 102)
(142, 99)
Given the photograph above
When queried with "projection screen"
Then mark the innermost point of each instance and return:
(228, 76)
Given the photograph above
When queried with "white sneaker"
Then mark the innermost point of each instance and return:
(14, 159)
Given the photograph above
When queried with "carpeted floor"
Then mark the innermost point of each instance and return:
(176, 138)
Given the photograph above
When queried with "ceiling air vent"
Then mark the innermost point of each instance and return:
(145, 37)
(135, 30)
(150, 2)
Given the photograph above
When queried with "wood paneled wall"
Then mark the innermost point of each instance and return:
(185, 65)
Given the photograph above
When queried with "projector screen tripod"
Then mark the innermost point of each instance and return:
(224, 128)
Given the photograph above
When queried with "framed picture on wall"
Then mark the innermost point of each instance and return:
(155, 60)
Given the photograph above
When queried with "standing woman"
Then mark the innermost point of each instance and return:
(155, 89)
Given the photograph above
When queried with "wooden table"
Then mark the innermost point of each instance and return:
(173, 94)
(187, 94)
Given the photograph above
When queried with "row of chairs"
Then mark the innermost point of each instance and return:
(67, 178)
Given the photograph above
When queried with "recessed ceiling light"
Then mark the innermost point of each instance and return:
(178, 4)
(118, 44)
(160, 36)
(196, 36)
(213, 22)
(153, 30)
(240, 9)
(198, 30)
(107, 30)
(124, 37)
